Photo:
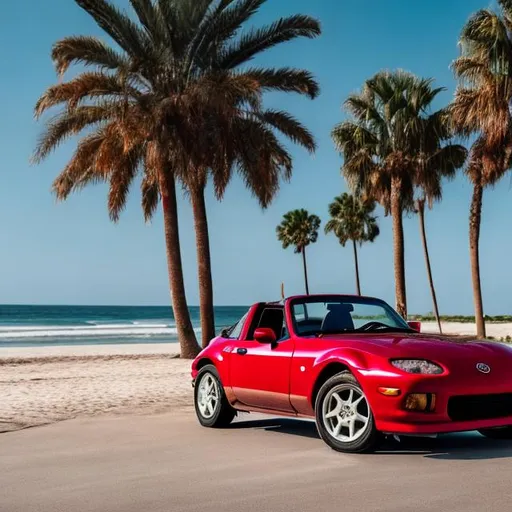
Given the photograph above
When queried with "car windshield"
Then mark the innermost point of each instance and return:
(340, 314)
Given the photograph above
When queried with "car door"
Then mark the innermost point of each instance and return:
(260, 372)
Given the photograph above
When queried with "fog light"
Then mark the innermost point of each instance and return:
(422, 402)
(389, 391)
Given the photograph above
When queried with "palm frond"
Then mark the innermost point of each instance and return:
(257, 41)
(88, 51)
(121, 178)
(289, 127)
(261, 160)
(80, 169)
(284, 80)
(298, 228)
(119, 27)
(66, 124)
(150, 196)
(150, 19)
(86, 85)
(218, 27)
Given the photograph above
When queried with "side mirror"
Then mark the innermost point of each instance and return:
(224, 333)
(264, 335)
(415, 326)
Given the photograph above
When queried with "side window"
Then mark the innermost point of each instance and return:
(237, 329)
(273, 318)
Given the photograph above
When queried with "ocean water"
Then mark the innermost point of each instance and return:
(22, 326)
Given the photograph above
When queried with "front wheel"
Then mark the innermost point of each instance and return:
(497, 433)
(212, 406)
(343, 416)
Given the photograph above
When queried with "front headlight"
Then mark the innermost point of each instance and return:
(421, 366)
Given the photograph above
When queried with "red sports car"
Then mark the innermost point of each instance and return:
(358, 368)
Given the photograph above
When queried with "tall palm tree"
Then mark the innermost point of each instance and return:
(170, 102)
(481, 108)
(352, 219)
(437, 158)
(380, 145)
(299, 229)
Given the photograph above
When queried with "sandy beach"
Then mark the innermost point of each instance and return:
(44, 385)
(70, 382)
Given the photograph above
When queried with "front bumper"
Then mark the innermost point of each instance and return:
(391, 417)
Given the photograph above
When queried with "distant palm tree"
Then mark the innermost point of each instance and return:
(299, 229)
(352, 219)
(481, 108)
(380, 145)
(437, 158)
(168, 100)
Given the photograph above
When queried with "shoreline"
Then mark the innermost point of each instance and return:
(497, 331)
(119, 349)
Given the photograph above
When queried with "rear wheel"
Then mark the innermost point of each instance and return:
(497, 433)
(343, 416)
(212, 406)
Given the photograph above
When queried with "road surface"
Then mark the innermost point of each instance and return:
(168, 463)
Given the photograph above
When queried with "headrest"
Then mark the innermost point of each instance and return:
(340, 308)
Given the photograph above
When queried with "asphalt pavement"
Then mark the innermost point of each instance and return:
(168, 463)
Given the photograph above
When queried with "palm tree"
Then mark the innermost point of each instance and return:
(481, 109)
(437, 158)
(353, 219)
(169, 101)
(380, 146)
(299, 229)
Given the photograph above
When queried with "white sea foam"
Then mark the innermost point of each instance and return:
(91, 327)
(110, 330)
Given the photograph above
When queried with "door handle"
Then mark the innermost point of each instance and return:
(241, 351)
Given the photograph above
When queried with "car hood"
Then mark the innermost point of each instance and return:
(444, 349)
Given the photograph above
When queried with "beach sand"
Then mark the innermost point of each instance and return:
(38, 389)
(47, 384)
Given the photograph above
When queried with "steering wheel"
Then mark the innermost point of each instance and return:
(371, 325)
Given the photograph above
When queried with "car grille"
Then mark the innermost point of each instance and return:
(480, 407)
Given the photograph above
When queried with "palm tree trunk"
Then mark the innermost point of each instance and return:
(398, 247)
(204, 266)
(475, 217)
(358, 284)
(186, 334)
(421, 215)
(305, 269)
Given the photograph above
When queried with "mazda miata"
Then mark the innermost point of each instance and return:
(356, 367)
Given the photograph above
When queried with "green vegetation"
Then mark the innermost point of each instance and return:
(299, 229)
(353, 219)
(462, 319)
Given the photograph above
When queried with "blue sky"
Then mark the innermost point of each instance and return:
(69, 253)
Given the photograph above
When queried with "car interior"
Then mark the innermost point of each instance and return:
(271, 317)
(337, 318)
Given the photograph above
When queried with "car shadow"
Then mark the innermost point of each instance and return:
(302, 428)
(457, 446)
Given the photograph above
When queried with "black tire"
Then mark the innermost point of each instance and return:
(223, 412)
(497, 433)
(369, 438)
